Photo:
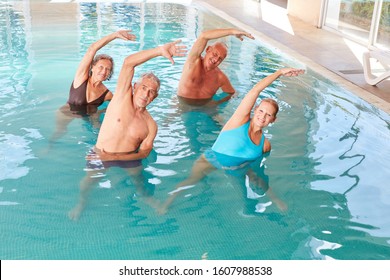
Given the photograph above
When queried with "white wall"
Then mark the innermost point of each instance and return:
(306, 10)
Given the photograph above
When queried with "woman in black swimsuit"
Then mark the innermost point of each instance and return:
(87, 91)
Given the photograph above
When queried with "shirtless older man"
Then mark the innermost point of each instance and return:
(201, 77)
(127, 127)
(128, 130)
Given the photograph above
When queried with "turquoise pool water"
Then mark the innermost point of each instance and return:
(329, 164)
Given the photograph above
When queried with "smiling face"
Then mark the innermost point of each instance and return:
(265, 113)
(145, 91)
(215, 54)
(102, 69)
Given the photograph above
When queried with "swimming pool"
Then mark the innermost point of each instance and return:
(329, 161)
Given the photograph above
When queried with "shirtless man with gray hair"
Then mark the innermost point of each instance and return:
(201, 77)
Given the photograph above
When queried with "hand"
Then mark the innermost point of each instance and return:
(100, 155)
(125, 35)
(240, 34)
(291, 72)
(171, 49)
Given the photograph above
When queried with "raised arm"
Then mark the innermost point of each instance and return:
(243, 111)
(82, 71)
(126, 75)
(200, 44)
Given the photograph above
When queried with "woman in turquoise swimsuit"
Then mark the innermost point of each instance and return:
(241, 140)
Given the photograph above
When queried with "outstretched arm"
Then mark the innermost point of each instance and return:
(243, 111)
(126, 75)
(82, 71)
(200, 44)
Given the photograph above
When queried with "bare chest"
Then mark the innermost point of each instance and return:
(137, 129)
(201, 84)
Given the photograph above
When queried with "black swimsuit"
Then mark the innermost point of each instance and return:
(78, 96)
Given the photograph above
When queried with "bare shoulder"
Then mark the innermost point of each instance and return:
(222, 77)
(220, 73)
(267, 146)
(150, 121)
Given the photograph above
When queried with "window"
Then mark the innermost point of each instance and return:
(365, 21)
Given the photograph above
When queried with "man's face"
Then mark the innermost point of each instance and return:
(215, 54)
(145, 92)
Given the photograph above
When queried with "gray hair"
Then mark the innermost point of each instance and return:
(100, 57)
(150, 75)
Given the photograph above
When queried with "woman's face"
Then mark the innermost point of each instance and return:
(264, 114)
(102, 69)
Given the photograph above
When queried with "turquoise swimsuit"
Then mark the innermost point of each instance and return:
(234, 148)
